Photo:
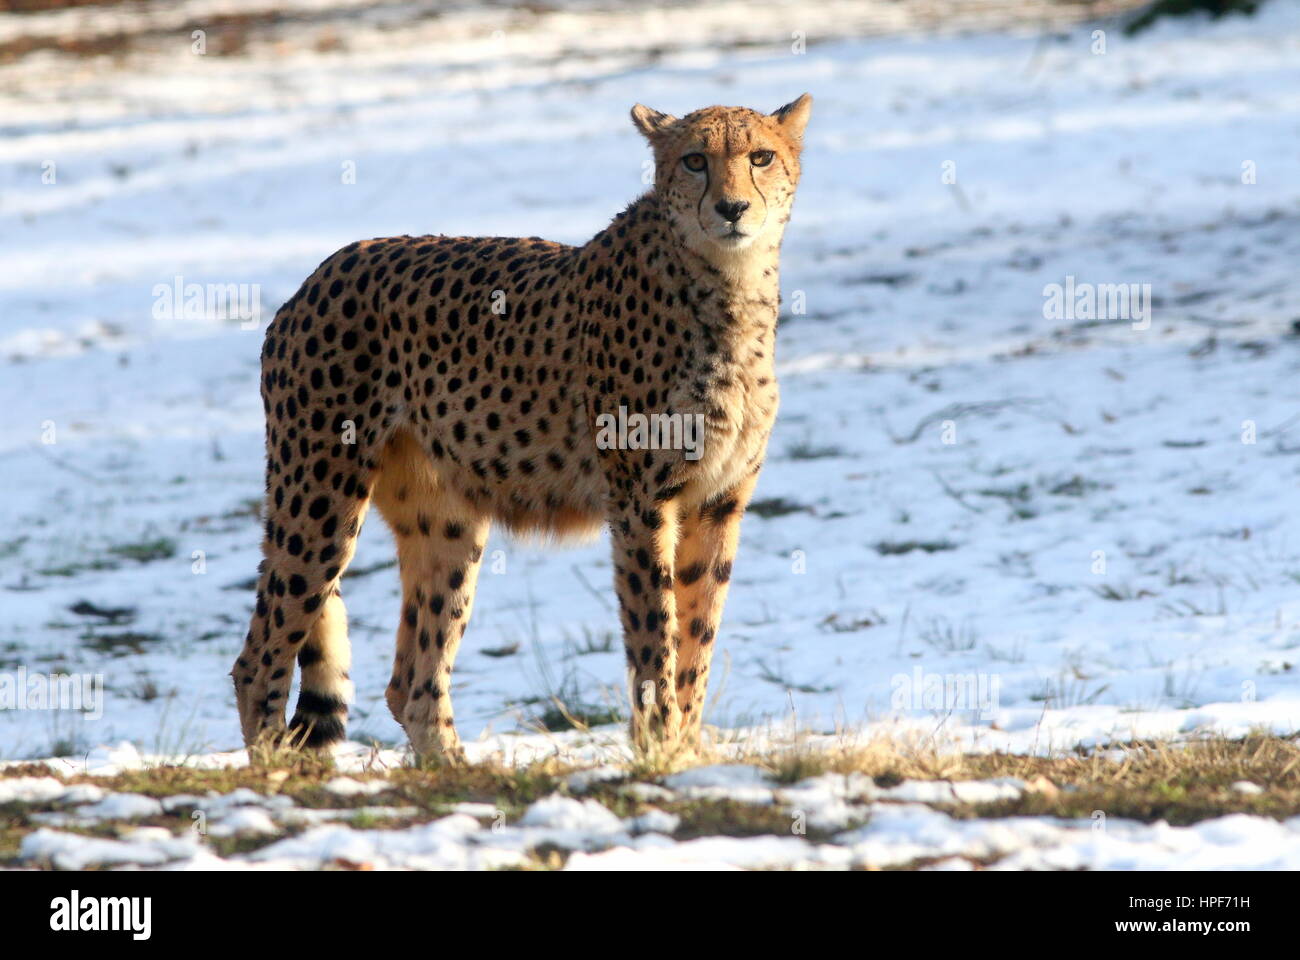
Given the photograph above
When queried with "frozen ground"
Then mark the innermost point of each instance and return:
(1098, 545)
(722, 816)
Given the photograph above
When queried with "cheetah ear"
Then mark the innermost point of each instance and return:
(793, 117)
(651, 123)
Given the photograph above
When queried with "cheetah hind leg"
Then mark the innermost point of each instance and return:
(321, 717)
(299, 615)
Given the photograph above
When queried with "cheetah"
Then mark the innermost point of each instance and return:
(457, 381)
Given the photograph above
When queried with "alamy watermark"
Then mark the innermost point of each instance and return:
(179, 300)
(83, 692)
(1098, 301)
(75, 913)
(922, 690)
(654, 431)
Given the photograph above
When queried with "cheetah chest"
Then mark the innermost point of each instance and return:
(737, 414)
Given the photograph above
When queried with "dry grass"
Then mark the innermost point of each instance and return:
(1180, 782)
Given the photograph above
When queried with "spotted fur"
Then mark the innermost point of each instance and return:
(455, 382)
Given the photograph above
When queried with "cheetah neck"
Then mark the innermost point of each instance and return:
(732, 297)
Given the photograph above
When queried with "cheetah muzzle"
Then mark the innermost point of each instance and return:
(459, 381)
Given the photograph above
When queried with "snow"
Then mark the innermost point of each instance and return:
(584, 780)
(564, 813)
(714, 853)
(969, 791)
(654, 820)
(348, 787)
(68, 851)
(719, 775)
(859, 826)
(440, 845)
(31, 790)
(1098, 557)
(245, 822)
(123, 806)
(109, 761)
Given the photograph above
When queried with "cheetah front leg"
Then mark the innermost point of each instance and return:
(644, 535)
(439, 574)
(705, 551)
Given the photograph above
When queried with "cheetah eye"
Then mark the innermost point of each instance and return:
(694, 162)
(761, 158)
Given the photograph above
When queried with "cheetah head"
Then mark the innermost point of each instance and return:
(726, 175)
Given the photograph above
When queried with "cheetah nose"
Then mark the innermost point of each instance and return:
(731, 210)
